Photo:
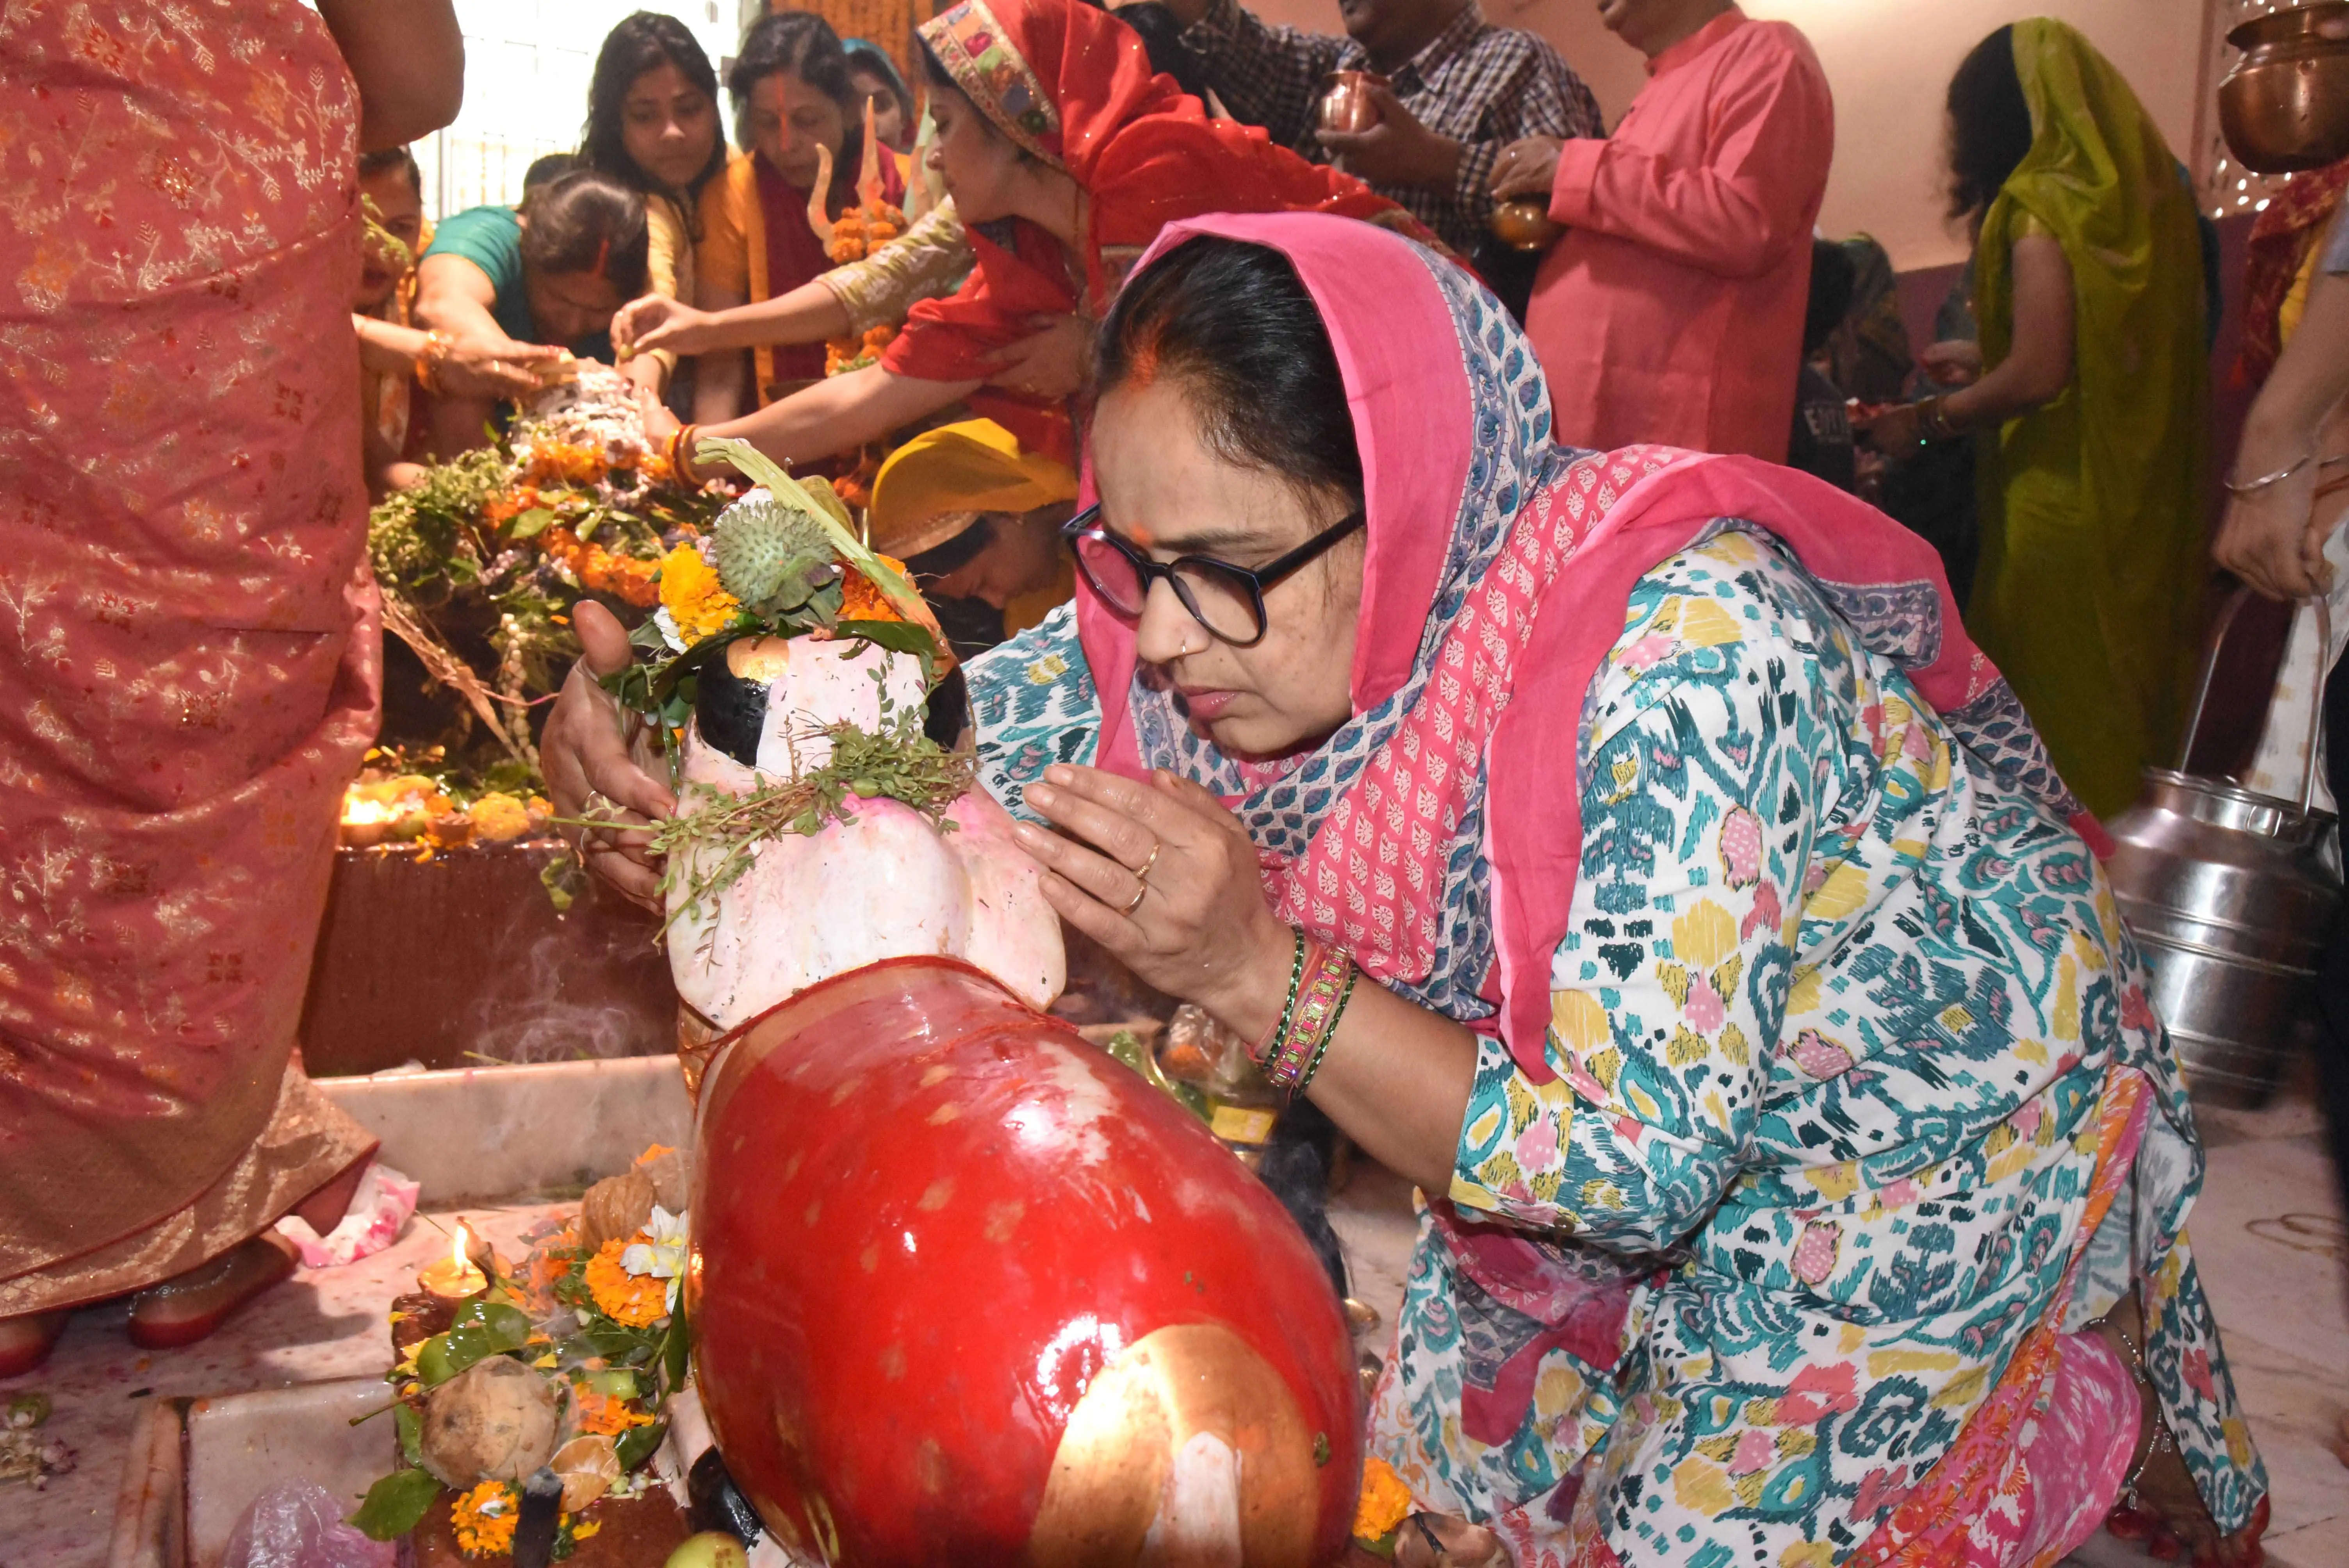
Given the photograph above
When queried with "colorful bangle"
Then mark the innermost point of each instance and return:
(1325, 981)
(680, 448)
(428, 363)
(1261, 1052)
(1329, 1033)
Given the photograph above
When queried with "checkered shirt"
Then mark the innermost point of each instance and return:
(1486, 87)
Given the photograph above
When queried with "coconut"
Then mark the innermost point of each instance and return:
(494, 1421)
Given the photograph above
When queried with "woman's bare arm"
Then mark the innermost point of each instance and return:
(844, 412)
(409, 61)
(2039, 367)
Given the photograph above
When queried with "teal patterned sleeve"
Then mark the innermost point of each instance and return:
(1033, 704)
(1699, 800)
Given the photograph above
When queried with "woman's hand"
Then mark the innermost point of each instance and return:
(1052, 364)
(1201, 930)
(659, 423)
(589, 770)
(656, 321)
(477, 367)
(1894, 430)
(1953, 362)
(2273, 537)
(1526, 168)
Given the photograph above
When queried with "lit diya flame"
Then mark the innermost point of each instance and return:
(454, 1277)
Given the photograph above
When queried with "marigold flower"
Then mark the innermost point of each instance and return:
(693, 596)
(861, 600)
(635, 1301)
(600, 1415)
(484, 1518)
(1386, 1502)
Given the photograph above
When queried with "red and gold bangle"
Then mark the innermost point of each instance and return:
(1316, 1005)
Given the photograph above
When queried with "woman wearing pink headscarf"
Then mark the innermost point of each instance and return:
(1631, 850)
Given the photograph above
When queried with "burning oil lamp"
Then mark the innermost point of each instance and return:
(455, 1278)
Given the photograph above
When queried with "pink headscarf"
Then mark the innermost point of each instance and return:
(1437, 836)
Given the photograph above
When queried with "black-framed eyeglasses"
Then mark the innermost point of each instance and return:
(1227, 599)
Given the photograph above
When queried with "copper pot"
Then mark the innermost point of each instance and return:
(1347, 106)
(2285, 104)
(1524, 224)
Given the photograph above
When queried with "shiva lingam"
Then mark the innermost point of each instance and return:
(964, 1288)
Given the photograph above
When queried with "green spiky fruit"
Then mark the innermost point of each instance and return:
(769, 552)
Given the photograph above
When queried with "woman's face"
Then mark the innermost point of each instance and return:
(1164, 490)
(786, 120)
(888, 119)
(668, 126)
(1022, 556)
(980, 164)
(400, 210)
(567, 306)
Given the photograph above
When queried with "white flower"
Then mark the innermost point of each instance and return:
(664, 1256)
(669, 633)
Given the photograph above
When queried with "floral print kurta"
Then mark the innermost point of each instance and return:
(1837, 1029)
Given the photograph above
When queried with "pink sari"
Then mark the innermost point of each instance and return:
(188, 650)
(1497, 573)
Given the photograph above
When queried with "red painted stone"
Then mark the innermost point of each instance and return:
(925, 1219)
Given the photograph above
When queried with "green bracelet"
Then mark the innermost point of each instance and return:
(1329, 1033)
(1271, 1042)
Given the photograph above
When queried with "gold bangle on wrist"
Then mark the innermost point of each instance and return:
(428, 362)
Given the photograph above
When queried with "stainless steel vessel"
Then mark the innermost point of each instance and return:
(2231, 896)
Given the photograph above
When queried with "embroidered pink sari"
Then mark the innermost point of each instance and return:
(187, 645)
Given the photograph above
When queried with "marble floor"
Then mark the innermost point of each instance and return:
(2271, 1237)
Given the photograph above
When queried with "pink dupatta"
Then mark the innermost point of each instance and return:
(1438, 834)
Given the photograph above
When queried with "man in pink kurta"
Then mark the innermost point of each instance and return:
(1671, 310)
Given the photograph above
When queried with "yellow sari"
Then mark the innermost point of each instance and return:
(2089, 592)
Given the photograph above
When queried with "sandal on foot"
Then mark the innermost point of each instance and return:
(189, 1307)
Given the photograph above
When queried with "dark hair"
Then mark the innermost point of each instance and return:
(588, 223)
(863, 55)
(1162, 40)
(951, 555)
(1832, 277)
(385, 160)
(1990, 124)
(1232, 321)
(546, 170)
(643, 42)
(803, 43)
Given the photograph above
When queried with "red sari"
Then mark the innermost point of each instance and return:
(188, 649)
(1072, 86)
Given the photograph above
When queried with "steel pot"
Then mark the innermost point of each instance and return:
(2285, 104)
(2232, 899)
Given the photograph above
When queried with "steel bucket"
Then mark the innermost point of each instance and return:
(2230, 898)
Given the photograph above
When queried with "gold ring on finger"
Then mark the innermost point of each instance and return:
(1142, 872)
(1135, 902)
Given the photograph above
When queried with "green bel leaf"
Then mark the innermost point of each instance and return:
(637, 1443)
(531, 523)
(482, 1328)
(411, 1433)
(500, 1326)
(396, 1505)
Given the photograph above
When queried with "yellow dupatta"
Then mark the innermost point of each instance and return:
(2089, 593)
